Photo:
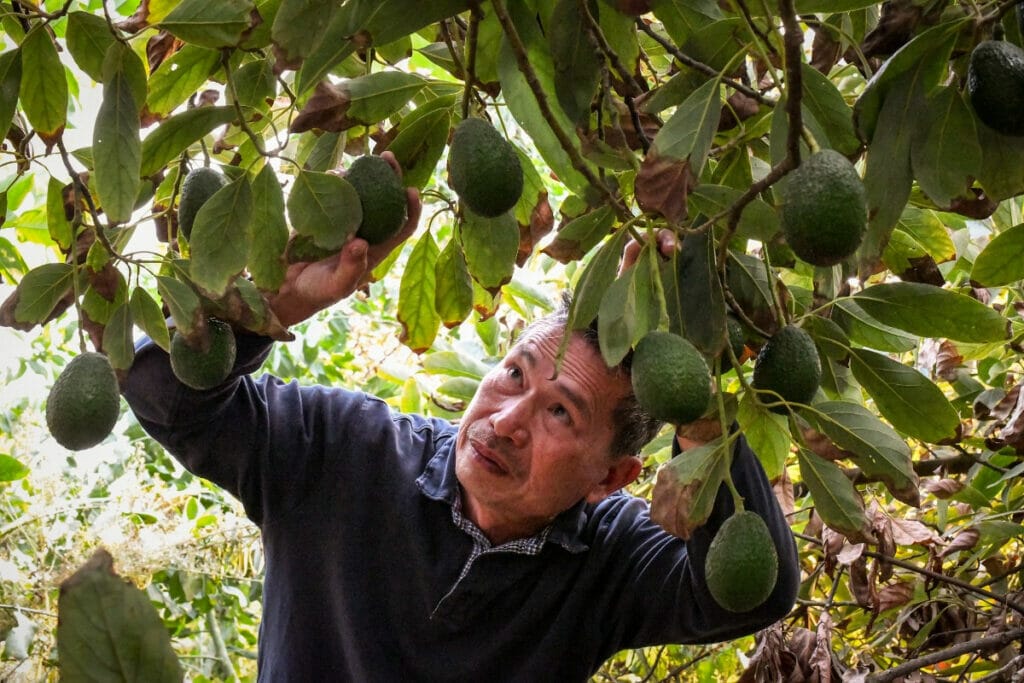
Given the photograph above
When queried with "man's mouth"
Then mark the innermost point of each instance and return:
(489, 458)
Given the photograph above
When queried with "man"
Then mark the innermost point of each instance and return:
(403, 548)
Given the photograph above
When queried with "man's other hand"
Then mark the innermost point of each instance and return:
(309, 288)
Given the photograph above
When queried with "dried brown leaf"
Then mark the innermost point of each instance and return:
(823, 446)
(663, 185)
(542, 220)
(739, 107)
(861, 586)
(965, 540)
(137, 21)
(895, 595)
(1013, 432)
(944, 488)
(948, 361)
(850, 553)
(821, 657)
(326, 110)
(160, 47)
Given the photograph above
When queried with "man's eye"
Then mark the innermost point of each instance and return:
(559, 411)
(515, 373)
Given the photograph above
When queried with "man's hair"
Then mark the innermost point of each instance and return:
(634, 426)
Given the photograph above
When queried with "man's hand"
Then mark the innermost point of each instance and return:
(667, 245)
(311, 287)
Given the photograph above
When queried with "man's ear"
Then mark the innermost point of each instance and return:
(623, 471)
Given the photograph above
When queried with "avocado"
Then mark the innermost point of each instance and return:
(788, 365)
(995, 86)
(381, 195)
(484, 168)
(742, 564)
(198, 186)
(84, 403)
(670, 378)
(205, 362)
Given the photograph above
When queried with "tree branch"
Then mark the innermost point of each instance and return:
(993, 642)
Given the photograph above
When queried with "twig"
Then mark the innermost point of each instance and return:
(470, 72)
(523, 61)
(218, 645)
(994, 642)
(702, 67)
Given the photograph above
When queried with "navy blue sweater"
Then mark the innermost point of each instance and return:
(363, 559)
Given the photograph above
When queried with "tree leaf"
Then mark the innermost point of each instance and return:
(179, 77)
(325, 207)
(117, 338)
(416, 312)
(116, 147)
(686, 487)
(44, 96)
(999, 263)
(523, 104)
(767, 434)
(703, 302)
(879, 450)
(905, 397)
(181, 301)
(11, 469)
(173, 136)
(596, 277)
(376, 96)
(220, 236)
(88, 38)
(944, 152)
(108, 629)
(616, 318)
(40, 290)
(209, 24)
(864, 329)
(581, 234)
(826, 104)
(454, 364)
(490, 246)
(422, 136)
(268, 232)
(688, 134)
(10, 84)
(453, 298)
(758, 221)
(146, 314)
(299, 24)
(56, 220)
(254, 84)
(1001, 174)
(577, 69)
(835, 498)
(929, 311)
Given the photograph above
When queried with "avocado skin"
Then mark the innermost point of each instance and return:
(484, 169)
(199, 185)
(381, 195)
(788, 365)
(995, 86)
(84, 403)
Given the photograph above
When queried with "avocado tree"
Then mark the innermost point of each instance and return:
(842, 179)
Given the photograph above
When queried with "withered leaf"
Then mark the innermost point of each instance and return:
(663, 185)
(326, 110)
(965, 540)
(160, 47)
(895, 595)
(948, 361)
(944, 489)
(542, 220)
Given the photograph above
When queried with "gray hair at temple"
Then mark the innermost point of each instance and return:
(634, 426)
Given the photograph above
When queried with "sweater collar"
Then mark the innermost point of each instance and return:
(438, 482)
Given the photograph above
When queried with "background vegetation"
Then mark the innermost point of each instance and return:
(902, 478)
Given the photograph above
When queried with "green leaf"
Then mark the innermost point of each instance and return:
(581, 234)
(88, 38)
(688, 134)
(577, 68)
(11, 469)
(523, 104)
(117, 338)
(220, 236)
(616, 319)
(690, 483)
(44, 96)
(758, 221)
(1000, 263)
(416, 312)
(12, 264)
(1002, 173)
(179, 77)
(181, 301)
(116, 147)
(209, 24)
(376, 96)
(905, 397)
(40, 290)
(454, 364)
(829, 109)
(60, 227)
(702, 298)
(98, 303)
(254, 84)
(926, 229)
(490, 246)
(107, 629)
(325, 207)
(766, 433)
(596, 277)
(173, 136)
(864, 329)
(146, 314)
(929, 311)
(828, 336)
(684, 18)
(268, 232)
(453, 299)
(10, 84)
(878, 449)
(945, 153)
(422, 137)
(835, 498)
(299, 24)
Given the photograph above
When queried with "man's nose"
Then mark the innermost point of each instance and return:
(510, 422)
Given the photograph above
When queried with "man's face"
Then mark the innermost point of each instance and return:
(531, 444)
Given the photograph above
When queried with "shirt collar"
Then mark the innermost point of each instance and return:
(438, 482)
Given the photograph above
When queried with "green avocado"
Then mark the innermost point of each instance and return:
(742, 563)
(381, 195)
(670, 378)
(484, 168)
(198, 186)
(204, 363)
(788, 365)
(824, 211)
(84, 402)
(995, 86)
